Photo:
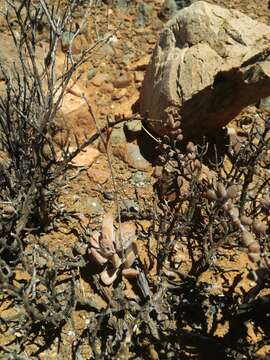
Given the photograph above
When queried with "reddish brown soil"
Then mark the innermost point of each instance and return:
(108, 100)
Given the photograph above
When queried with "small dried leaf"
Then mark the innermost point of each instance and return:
(179, 181)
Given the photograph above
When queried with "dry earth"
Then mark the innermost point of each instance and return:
(111, 81)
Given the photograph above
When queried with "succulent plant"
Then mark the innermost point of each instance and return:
(115, 251)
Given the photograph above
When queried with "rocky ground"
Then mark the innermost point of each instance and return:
(118, 176)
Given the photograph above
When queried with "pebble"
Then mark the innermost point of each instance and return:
(168, 9)
(134, 157)
(98, 175)
(129, 205)
(107, 51)
(139, 178)
(145, 11)
(127, 58)
(122, 82)
(86, 157)
(140, 64)
(158, 171)
(120, 4)
(117, 136)
(106, 88)
(108, 195)
(119, 95)
(133, 126)
(93, 206)
(100, 78)
(265, 103)
(139, 76)
(91, 73)
(66, 39)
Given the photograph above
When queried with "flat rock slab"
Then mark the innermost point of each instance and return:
(209, 64)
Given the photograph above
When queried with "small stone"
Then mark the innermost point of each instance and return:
(127, 58)
(99, 176)
(151, 40)
(133, 126)
(117, 136)
(128, 233)
(139, 76)
(135, 159)
(106, 88)
(108, 195)
(122, 82)
(129, 205)
(145, 9)
(100, 78)
(91, 73)
(265, 103)
(168, 9)
(140, 64)
(78, 45)
(74, 114)
(107, 51)
(158, 171)
(93, 206)
(66, 39)
(139, 178)
(119, 95)
(86, 157)
(121, 4)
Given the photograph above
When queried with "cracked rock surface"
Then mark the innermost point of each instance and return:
(209, 64)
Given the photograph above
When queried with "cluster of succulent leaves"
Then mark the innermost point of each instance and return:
(180, 315)
(174, 314)
(205, 210)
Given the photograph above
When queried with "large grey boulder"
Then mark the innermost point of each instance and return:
(208, 64)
